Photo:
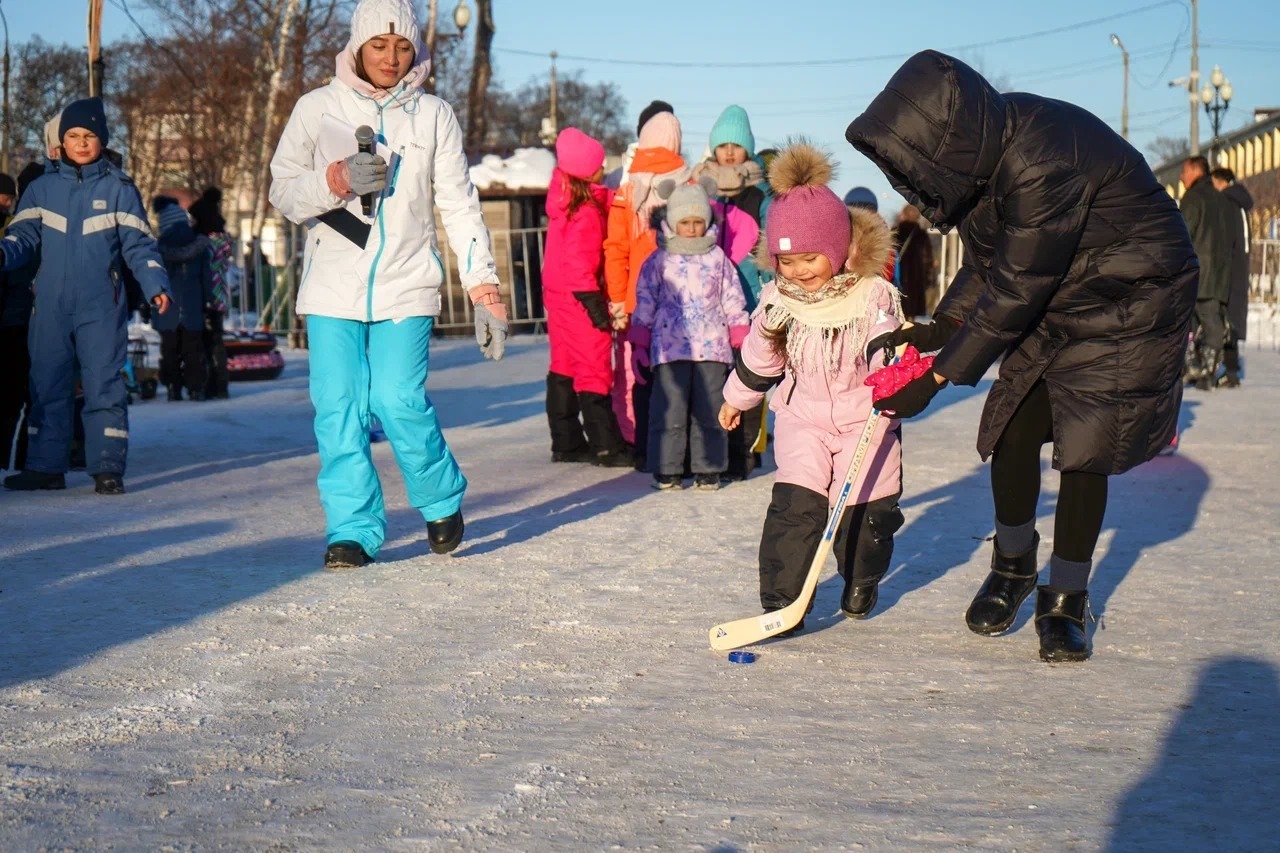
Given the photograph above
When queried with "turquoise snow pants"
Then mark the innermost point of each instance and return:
(358, 368)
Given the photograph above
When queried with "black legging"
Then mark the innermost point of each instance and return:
(1015, 482)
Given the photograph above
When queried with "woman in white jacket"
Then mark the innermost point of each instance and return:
(371, 283)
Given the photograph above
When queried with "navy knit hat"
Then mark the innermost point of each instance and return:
(87, 114)
(7, 185)
(862, 197)
(170, 213)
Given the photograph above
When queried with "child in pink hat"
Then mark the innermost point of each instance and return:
(809, 336)
(579, 325)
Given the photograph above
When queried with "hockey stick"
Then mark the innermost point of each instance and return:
(753, 629)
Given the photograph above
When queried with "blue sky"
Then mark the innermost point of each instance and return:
(1056, 49)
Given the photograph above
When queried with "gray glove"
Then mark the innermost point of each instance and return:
(491, 330)
(366, 173)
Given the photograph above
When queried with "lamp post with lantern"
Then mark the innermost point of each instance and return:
(1124, 109)
(1216, 97)
(461, 18)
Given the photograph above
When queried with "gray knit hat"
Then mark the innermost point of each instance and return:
(688, 201)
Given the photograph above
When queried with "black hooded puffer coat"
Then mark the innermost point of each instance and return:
(1078, 267)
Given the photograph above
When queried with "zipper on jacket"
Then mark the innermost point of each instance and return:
(470, 251)
(435, 255)
(382, 227)
(310, 262)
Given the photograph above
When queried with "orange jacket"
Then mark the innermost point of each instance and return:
(625, 249)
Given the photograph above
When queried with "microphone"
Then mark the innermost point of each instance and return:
(364, 144)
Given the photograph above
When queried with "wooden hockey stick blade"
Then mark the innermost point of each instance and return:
(753, 629)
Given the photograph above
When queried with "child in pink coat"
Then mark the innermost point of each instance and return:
(578, 322)
(808, 336)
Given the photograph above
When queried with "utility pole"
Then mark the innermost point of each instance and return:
(1124, 108)
(481, 73)
(96, 65)
(1193, 82)
(4, 152)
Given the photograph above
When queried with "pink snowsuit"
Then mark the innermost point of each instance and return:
(574, 263)
(818, 417)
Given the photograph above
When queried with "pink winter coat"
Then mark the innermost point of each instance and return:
(820, 416)
(574, 257)
(573, 263)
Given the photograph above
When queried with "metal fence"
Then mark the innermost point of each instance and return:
(264, 294)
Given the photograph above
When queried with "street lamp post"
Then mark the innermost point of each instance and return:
(1216, 97)
(461, 18)
(1124, 109)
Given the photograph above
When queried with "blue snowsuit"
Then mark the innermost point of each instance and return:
(85, 222)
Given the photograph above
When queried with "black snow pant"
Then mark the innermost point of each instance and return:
(182, 359)
(215, 356)
(15, 398)
(742, 459)
(863, 544)
(684, 414)
(1015, 482)
(597, 432)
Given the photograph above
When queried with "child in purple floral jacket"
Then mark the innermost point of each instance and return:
(690, 314)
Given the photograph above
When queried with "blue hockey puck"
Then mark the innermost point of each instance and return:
(742, 657)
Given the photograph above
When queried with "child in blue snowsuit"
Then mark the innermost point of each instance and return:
(87, 220)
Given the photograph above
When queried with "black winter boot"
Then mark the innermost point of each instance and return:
(445, 534)
(1011, 580)
(33, 481)
(345, 555)
(568, 444)
(863, 547)
(175, 393)
(1060, 616)
(858, 600)
(603, 435)
(107, 483)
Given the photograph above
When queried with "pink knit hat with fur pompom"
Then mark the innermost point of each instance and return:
(805, 215)
(578, 154)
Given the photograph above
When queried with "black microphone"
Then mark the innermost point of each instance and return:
(364, 144)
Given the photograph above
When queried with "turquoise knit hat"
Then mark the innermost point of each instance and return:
(733, 126)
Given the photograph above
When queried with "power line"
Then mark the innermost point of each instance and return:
(857, 60)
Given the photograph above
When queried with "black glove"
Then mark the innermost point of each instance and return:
(597, 309)
(912, 399)
(926, 337)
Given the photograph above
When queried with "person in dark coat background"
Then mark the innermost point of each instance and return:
(914, 270)
(1079, 273)
(188, 261)
(16, 299)
(1210, 220)
(1224, 181)
(208, 222)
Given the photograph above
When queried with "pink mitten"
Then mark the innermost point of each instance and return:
(738, 334)
(888, 381)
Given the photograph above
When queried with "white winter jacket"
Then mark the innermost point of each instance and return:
(399, 272)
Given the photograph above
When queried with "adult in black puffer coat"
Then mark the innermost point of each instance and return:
(1224, 180)
(1079, 272)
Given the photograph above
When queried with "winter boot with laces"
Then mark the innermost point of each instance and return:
(1011, 580)
(32, 481)
(445, 535)
(345, 555)
(1060, 616)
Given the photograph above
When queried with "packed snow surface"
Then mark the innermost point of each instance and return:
(178, 673)
(527, 168)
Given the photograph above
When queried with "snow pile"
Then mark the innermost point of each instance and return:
(527, 169)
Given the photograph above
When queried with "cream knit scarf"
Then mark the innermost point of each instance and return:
(822, 323)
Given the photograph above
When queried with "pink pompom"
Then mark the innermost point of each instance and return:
(888, 381)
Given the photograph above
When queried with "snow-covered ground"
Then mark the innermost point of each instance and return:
(176, 672)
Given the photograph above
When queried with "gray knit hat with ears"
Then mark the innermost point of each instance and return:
(688, 201)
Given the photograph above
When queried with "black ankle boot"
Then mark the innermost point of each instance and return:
(859, 600)
(345, 555)
(1011, 580)
(1060, 616)
(445, 534)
